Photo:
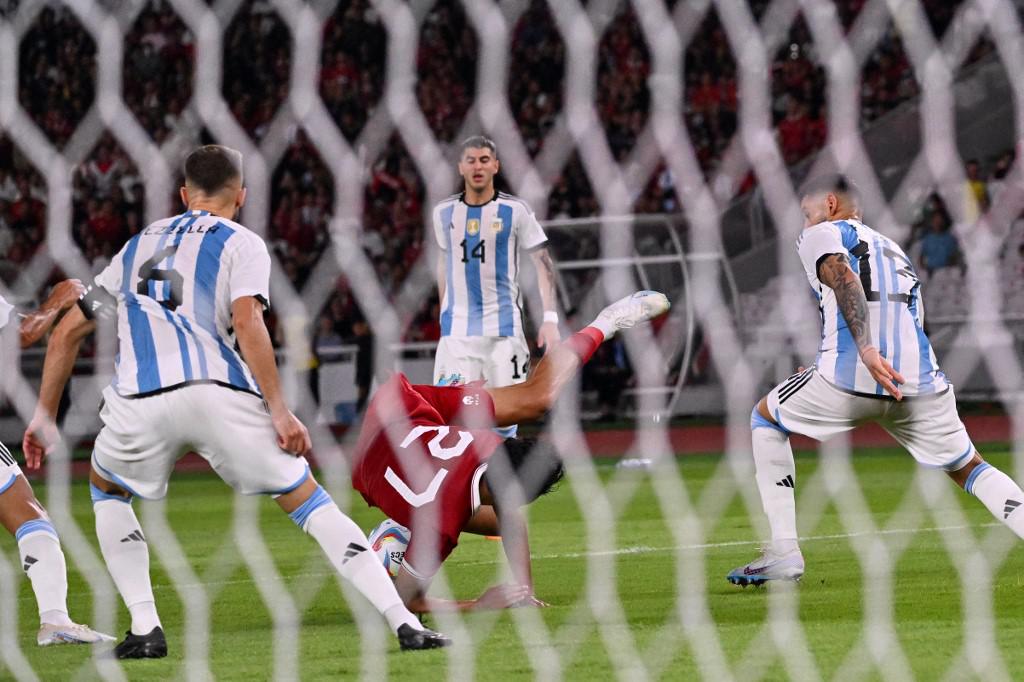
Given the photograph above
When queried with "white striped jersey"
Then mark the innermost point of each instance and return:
(481, 247)
(894, 304)
(174, 283)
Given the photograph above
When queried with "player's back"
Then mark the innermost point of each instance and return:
(175, 282)
(421, 445)
(893, 292)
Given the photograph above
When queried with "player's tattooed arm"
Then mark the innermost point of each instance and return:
(547, 281)
(835, 273)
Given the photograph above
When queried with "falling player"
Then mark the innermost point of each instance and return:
(183, 290)
(427, 457)
(480, 232)
(874, 363)
(22, 514)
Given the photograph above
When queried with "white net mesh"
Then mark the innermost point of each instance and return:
(701, 112)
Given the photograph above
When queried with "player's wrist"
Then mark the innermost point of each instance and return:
(550, 316)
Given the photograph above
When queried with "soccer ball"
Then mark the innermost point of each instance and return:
(388, 541)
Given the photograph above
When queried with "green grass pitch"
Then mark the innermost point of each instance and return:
(927, 604)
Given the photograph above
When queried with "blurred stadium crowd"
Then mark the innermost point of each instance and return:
(57, 72)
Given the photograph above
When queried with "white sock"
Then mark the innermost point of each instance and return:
(776, 481)
(606, 327)
(127, 555)
(347, 548)
(999, 494)
(43, 562)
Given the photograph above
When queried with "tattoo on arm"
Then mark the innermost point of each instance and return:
(548, 266)
(834, 272)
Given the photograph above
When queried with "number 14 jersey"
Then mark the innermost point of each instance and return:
(894, 304)
(174, 283)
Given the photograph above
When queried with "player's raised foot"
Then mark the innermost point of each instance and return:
(632, 310)
(70, 634)
(411, 639)
(769, 566)
(152, 645)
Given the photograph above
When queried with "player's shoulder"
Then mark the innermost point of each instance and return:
(844, 230)
(448, 201)
(516, 202)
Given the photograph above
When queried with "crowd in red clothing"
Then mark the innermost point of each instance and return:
(57, 71)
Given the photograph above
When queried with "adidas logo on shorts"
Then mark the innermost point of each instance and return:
(1009, 508)
(787, 482)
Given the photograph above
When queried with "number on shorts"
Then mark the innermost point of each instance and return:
(414, 498)
(515, 368)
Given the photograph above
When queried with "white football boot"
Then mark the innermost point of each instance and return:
(632, 310)
(771, 565)
(70, 634)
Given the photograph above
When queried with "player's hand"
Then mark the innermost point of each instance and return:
(292, 435)
(548, 335)
(503, 597)
(882, 371)
(41, 437)
(65, 294)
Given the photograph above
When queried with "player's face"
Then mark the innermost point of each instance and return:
(478, 166)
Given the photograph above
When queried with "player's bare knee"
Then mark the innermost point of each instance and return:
(963, 474)
(101, 486)
(293, 499)
(18, 505)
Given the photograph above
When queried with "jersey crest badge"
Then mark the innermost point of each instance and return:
(473, 226)
(498, 225)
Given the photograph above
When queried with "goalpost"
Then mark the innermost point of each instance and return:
(710, 303)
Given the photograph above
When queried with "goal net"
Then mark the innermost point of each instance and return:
(661, 144)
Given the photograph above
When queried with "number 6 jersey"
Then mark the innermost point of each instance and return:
(421, 454)
(894, 302)
(174, 283)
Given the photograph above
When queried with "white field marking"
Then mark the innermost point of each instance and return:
(639, 549)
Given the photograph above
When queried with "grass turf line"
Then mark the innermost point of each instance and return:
(927, 600)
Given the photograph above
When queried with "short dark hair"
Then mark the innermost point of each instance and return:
(832, 182)
(534, 465)
(212, 167)
(479, 142)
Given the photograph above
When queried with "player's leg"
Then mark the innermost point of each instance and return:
(243, 451)
(804, 403)
(125, 550)
(933, 433)
(507, 363)
(41, 558)
(134, 455)
(313, 510)
(529, 400)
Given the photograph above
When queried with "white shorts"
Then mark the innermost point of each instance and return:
(928, 427)
(142, 438)
(499, 360)
(9, 469)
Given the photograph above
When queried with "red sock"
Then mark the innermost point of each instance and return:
(584, 342)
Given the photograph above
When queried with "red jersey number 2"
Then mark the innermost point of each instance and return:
(434, 447)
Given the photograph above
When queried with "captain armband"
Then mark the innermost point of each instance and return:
(97, 304)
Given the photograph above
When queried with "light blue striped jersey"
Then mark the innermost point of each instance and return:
(481, 247)
(894, 304)
(174, 283)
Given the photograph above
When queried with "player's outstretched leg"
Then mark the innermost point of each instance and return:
(126, 554)
(43, 562)
(345, 545)
(997, 491)
(776, 482)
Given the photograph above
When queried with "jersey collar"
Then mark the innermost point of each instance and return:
(462, 198)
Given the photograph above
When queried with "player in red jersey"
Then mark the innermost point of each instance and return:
(425, 458)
